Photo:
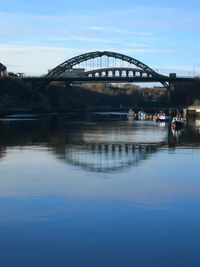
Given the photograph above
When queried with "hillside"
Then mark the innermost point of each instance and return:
(15, 95)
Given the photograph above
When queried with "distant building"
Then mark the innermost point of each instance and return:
(191, 113)
(72, 72)
(172, 75)
(195, 108)
(2, 70)
(20, 74)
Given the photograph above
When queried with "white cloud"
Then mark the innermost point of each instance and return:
(140, 30)
(34, 60)
(118, 30)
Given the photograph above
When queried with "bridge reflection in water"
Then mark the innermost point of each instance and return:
(108, 157)
(91, 145)
(94, 145)
(106, 146)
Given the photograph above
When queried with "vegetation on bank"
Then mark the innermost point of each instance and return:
(16, 95)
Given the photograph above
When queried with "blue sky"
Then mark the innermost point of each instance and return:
(37, 35)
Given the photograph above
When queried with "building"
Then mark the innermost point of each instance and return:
(20, 74)
(192, 113)
(2, 70)
(72, 72)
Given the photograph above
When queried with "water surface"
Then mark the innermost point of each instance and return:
(98, 191)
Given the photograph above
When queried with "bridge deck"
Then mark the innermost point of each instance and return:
(109, 79)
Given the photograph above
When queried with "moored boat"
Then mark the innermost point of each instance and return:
(131, 114)
(141, 115)
(177, 123)
(161, 117)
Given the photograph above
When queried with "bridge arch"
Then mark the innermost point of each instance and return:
(68, 64)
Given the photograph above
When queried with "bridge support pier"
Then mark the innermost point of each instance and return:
(66, 95)
(171, 88)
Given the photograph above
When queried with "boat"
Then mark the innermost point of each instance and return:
(161, 117)
(131, 113)
(141, 115)
(177, 123)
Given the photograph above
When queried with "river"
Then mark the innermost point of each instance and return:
(98, 191)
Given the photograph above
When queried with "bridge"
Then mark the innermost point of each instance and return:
(105, 66)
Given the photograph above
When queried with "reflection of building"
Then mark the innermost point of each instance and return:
(2, 70)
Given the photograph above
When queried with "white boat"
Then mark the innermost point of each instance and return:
(131, 114)
(161, 117)
(177, 123)
(141, 115)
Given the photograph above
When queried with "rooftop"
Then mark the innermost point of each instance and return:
(2, 67)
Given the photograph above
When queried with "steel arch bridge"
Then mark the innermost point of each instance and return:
(104, 64)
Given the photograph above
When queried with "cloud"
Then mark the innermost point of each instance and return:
(133, 23)
(141, 30)
(78, 38)
(117, 30)
(26, 58)
(144, 48)
(34, 60)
